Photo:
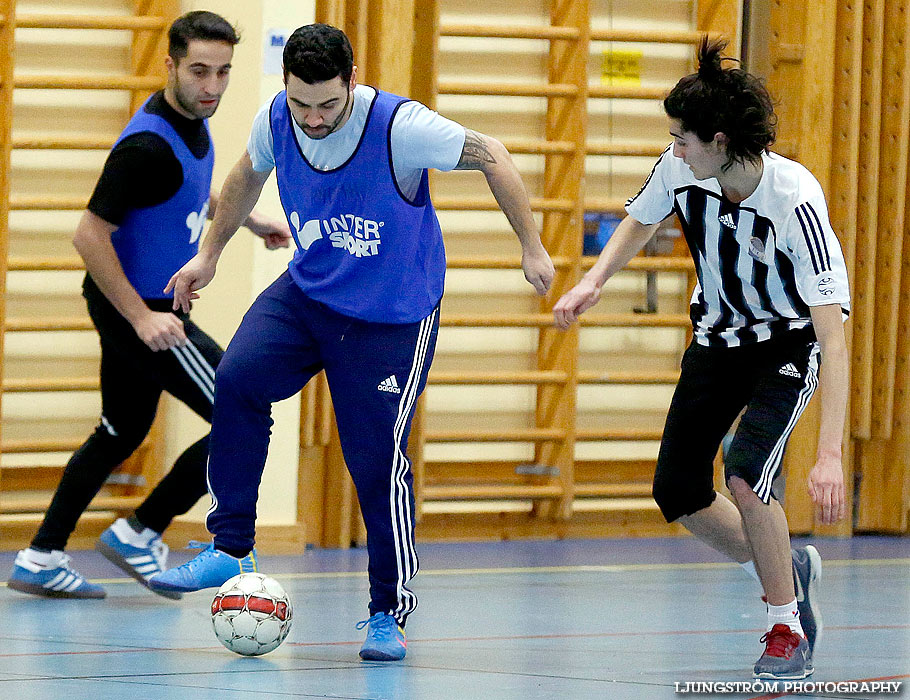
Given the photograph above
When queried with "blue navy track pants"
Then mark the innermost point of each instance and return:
(375, 373)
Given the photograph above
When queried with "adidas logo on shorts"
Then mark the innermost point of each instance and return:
(790, 370)
(390, 385)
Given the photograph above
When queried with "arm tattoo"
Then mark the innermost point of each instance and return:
(475, 154)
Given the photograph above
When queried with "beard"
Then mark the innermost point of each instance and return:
(320, 132)
(191, 105)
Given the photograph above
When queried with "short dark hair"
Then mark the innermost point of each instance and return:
(318, 52)
(727, 100)
(198, 24)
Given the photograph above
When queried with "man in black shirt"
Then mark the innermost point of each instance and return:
(143, 222)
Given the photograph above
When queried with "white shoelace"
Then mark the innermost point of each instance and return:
(159, 552)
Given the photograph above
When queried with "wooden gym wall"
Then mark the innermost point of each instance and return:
(576, 463)
(78, 73)
(841, 71)
(838, 70)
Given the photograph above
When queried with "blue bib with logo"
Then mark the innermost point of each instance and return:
(363, 248)
(153, 243)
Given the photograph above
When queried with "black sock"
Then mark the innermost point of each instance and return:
(236, 553)
(134, 523)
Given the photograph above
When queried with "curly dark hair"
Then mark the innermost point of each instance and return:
(318, 52)
(726, 100)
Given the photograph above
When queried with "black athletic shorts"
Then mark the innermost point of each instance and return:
(772, 380)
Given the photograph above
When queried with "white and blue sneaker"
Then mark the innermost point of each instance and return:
(56, 579)
(141, 555)
(208, 569)
(385, 639)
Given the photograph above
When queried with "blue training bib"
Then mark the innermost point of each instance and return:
(363, 248)
(153, 243)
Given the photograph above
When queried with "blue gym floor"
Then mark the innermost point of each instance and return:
(524, 620)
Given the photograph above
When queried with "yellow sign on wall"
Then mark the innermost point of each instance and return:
(621, 68)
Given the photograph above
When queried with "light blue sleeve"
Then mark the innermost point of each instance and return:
(422, 138)
(259, 145)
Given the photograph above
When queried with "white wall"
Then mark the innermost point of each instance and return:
(247, 267)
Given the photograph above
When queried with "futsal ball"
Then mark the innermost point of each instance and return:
(251, 614)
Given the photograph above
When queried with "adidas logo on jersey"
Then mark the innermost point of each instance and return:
(727, 220)
(789, 370)
(390, 385)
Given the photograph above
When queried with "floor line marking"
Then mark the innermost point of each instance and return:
(581, 568)
(436, 640)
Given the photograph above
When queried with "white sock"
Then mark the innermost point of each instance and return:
(785, 615)
(43, 560)
(749, 568)
(128, 535)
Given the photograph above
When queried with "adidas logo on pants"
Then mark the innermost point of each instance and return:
(390, 385)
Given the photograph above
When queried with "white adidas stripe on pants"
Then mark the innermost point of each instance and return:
(202, 373)
(402, 524)
(197, 368)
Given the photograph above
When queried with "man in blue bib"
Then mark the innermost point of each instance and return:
(360, 300)
(142, 223)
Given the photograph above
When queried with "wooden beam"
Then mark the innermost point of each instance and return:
(843, 199)
(723, 17)
(510, 31)
(36, 446)
(540, 320)
(47, 323)
(628, 92)
(646, 36)
(39, 504)
(892, 183)
(31, 384)
(149, 49)
(863, 317)
(815, 128)
(23, 263)
(51, 142)
(472, 492)
(425, 61)
(504, 435)
(7, 44)
(489, 204)
(331, 12)
(68, 21)
(642, 263)
(392, 47)
(88, 82)
(453, 87)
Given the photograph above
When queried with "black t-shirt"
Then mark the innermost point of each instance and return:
(142, 170)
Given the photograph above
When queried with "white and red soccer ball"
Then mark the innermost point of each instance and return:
(251, 614)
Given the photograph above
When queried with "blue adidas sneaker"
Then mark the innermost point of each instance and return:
(807, 572)
(385, 639)
(139, 562)
(60, 581)
(208, 569)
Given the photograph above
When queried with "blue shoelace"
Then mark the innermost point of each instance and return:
(208, 551)
(382, 629)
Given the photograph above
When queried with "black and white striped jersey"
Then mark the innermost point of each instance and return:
(762, 263)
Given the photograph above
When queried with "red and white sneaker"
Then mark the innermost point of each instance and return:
(786, 656)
